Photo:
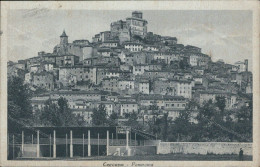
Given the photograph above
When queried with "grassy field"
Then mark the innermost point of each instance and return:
(167, 157)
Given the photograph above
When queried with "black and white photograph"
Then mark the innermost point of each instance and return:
(129, 85)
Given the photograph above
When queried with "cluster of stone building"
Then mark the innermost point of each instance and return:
(128, 69)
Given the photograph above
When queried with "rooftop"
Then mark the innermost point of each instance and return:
(76, 92)
(161, 97)
(63, 34)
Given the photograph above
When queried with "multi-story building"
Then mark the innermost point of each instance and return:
(127, 85)
(169, 40)
(183, 88)
(102, 71)
(43, 80)
(110, 84)
(133, 46)
(152, 48)
(171, 57)
(117, 27)
(139, 57)
(112, 73)
(242, 66)
(110, 44)
(136, 24)
(102, 37)
(139, 69)
(163, 86)
(198, 59)
(153, 74)
(109, 106)
(164, 102)
(205, 96)
(127, 107)
(76, 74)
(75, 95)
(144, 87)
(35, 68)
(104, 52)
(37, 105)
(48, 66)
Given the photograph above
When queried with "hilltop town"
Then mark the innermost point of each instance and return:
(128, 69)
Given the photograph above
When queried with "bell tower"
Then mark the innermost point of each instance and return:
(64, 38)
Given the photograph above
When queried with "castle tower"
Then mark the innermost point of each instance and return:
(64, 38)
(137, 14)
(136, 24)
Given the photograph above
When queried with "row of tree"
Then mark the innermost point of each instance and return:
(213, 123)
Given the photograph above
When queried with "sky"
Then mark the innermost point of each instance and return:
(224, 35)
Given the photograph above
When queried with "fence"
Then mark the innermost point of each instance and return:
(36, 146)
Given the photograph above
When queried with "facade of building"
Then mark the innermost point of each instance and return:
(144, 87)
(205, 96)
(136, 24)
(43, 80)
(76, 73)
(128, 107)
(133, 46)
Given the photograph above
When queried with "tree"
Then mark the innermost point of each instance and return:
(182, 126)
(165, 126)
(205, 126)
(99, 116)
(112, 121)
(80, 120)
(132, 120)
(50, 114)
(183, 64)
(207, 111)
(19, 106)
(59, 114)
(244, 123)
(221, 104)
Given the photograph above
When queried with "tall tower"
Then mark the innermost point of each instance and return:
(64, 38)
(137, 14)
(136, 24)
(246, 65)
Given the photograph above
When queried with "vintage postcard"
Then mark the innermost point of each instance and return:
(130, 83)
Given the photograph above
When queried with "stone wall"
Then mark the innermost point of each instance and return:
(132, 150)
(204, 148)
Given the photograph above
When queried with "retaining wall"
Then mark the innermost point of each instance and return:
(138, 150)
(204, 148)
